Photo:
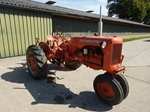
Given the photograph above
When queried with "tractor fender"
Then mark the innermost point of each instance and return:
(51, 38)
(47, 49)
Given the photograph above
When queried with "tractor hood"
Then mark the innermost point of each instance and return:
(81, 41)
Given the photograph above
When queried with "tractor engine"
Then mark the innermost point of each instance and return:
(98, 52)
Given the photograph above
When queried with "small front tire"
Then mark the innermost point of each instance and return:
(124, 84)
(108, 89)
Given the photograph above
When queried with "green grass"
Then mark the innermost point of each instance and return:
(135, 38)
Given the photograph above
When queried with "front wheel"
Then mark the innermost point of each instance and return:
(36, 61)
(108, 89)
(124, 84)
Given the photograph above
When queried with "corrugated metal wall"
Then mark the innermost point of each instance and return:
(75, 27)
(78, 27)
(19, 28)
(122, 28)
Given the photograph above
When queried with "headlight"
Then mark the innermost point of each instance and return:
(103, 44)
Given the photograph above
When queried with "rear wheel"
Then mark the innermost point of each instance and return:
(124, 84)
(36, 61)
(73, 64)
(108, 89)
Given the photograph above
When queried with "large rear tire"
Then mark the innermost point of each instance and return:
(37, 62)
(108, 89)
(74, 64)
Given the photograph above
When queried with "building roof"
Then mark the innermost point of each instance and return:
(32, 5)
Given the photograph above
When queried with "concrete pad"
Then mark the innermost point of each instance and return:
(74, 92)
(137, 53)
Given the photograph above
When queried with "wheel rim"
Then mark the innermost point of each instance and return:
(32, 63)
(106, 90)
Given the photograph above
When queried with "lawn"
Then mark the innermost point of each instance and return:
(135, 38)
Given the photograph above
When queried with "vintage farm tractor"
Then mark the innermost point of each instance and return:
(96, 52)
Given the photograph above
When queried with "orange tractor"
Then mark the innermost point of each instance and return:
(96, 52)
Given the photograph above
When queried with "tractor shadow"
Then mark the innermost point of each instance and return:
(53, 93)
(57, 67)
(146, 40)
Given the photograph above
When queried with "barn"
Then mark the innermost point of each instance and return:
(21, 21)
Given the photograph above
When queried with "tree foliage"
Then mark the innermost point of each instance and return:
(134, 10)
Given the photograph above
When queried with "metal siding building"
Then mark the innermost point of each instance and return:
(19, 28)
(21, 21)
(124, 27)
(84, 26)
(75, 26)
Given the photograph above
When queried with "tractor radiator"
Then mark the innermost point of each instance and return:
(116, 54)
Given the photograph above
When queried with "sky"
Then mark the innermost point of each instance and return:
(83, 5)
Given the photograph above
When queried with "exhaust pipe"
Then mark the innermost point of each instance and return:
(100, 23)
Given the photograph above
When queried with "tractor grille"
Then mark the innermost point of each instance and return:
(116, 54)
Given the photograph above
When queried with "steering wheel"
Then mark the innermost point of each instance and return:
(59, 31)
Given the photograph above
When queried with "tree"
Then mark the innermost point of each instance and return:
(134, 10)
(147, 17)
